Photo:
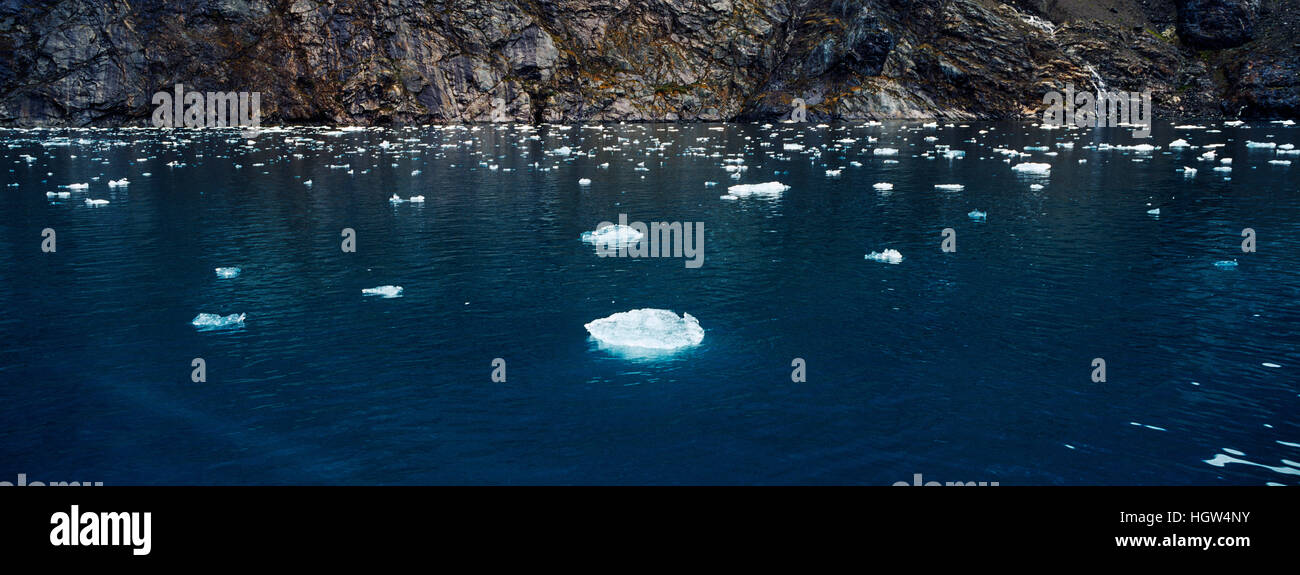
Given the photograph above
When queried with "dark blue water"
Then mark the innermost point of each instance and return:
(974, 365)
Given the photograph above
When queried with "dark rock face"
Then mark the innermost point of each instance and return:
(1217, 23)
(98, 62)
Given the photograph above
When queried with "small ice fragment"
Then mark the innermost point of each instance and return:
(1154, 212)
(836, 173)
(416, 199)
(1035, 187)
(950, 187)
(1226, 264)
(1250, 144)
(584, 182)
(1179, 143)
(90, 202)
(978, 215)
(385, 291)
(119, 183)
(889, 256)
(655, 329)
(885, 151)
(1268, 364)
(883, 186)
(226, 273)
(396, 199)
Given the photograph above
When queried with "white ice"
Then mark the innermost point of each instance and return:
(656, 329)
(226, 273)
(385, 291)
(889, 256)
(212, 320)
(1032, 168)
(613, 235)
(764, 189)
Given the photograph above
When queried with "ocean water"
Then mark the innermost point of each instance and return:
(968, 365)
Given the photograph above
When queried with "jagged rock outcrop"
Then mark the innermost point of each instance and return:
(98, 62)
(1217, 23)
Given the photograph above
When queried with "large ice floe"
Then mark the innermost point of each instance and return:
(1037, 169)
(215, 321)
(385, 291)
(648, 329)
(889, 256)
(766, 189)
(613, 235)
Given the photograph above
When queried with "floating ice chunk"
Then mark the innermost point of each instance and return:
(883, 186)
(1280, 162)
(1189, 172)
(836, 173)
(950, 187)
(212, 320)
(1269, 364)
(90, 202)
(1223, 168)
(1032, 168)
(416, 199)
(384, 291)
(792, 147)
(885, 151)
(1250, 144)
(396, 199)
(1179, 143)
(1035, 187)
(1226, 264)
(561, 151)
(889, 256)
(614, 235)
(584, 182)
(1154, 212)
(226, 273)
(76, 186)
(654, 329)
(770, 189)
(978, 215)
(119, 183)
(58, 194)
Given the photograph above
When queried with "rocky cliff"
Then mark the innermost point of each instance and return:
(98, 62)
